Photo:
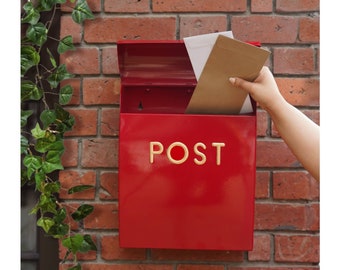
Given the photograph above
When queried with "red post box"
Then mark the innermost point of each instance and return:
(186, 181)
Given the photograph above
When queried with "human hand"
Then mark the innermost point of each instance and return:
(264, 89)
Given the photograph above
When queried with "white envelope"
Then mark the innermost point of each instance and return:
(199, 48)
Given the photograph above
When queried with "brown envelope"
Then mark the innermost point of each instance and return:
(228, 58)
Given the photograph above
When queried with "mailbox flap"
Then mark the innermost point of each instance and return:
(155, 62)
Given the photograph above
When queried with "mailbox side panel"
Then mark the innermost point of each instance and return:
(187, 181)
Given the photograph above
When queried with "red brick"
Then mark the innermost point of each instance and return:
(287, 217)
(300, 91)
(262, 123)
(294, 61)
(104, 216)
(295, 186)
(262, 6)
(196, 255)
(101, 91)
(314, 115)
(282, 207)
(81, 61)
(191, 25)
(199, 6)
(134, 266)
(273, 268)
(138, 6)
(70, 156)
(262, 185)
(85, 122)
(72, 178)
(109, 124)
(278, 29)
(75, 84)
(94, 5)
(100, 153)
(110, 250)
(309, 30)
(69, 27)
(199, 267)
(110, 60)
(108, 186)
(274, 154)
(104, 30)
(262, 248)
(297, 248)
(297, 5)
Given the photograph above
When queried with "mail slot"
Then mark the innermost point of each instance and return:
(186, 181)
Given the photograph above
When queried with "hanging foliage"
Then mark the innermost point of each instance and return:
(43, 127)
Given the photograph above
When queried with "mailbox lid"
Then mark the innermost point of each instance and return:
(155, 62)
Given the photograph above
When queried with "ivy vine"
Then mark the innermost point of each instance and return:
(43, 128)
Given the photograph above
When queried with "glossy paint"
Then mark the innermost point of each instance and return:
(185, 181)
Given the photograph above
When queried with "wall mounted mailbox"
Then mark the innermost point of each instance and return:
(186, 181)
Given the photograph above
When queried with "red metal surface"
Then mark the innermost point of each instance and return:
(185, 181)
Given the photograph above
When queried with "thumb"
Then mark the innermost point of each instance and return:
(240, 83)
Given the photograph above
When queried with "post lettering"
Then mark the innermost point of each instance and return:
(218, 151)
(183, 146)
(153, 151)
(199, 153)
(157, 148)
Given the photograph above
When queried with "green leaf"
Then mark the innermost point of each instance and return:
(46, 5)
(52, 60)
(87, 244)
(32, 15)
(79, 188)
(39, 178)
(37, 33)
(58, 230)
(51, 136)
(30, 91)
(47, 117)
(37, 132)
(29, 58)
(65, 94)
(81, 12)
(73, 243)
(46, 223)
(47, 204)
(64, 119)
(44, 145)
(82, 212)
(32, 163)
(24, 116)
(51, 188)
(58, 75)
(76, 267)
(23, 145)
(52, 162)
(65, 45)
(60, 216)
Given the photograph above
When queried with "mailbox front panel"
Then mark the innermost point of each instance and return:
(187, 181)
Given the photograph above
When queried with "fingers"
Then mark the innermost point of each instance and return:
(238, 82)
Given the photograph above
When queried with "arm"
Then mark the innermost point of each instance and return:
(300, 133)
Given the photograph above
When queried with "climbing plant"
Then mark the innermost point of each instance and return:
(44, 120)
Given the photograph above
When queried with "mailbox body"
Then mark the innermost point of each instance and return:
(185, 181)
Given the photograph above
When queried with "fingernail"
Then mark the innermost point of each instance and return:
(232, 80)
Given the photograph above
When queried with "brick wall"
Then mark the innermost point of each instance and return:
(287, 197)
